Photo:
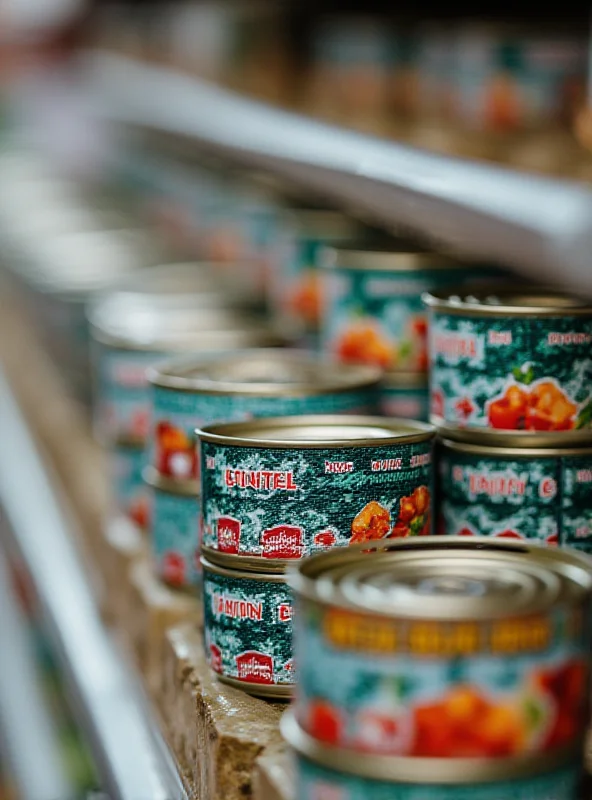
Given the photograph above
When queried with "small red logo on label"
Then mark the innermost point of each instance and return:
(548, 487)
(285, 612)
(229, 531)
(282, 541)
(215, 658)
(254, 667)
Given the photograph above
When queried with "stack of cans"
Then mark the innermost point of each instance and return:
(442, 668)
(511, 394)
(167, 310)
(189, 393)
(373, 313)
(276, 490)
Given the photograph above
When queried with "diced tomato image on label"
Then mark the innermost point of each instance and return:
(325, 539)
(282, 541)
(215, 658)
(173, 569)
(254, 667)
(228, 531)
(508, 534)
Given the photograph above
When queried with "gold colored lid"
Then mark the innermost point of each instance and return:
(264, 372)
(496, 300)
(317, 432)
(444, 578)
(514, 449)
(557, 441)
(388, 256)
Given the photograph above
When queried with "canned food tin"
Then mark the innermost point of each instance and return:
(373, 308)
(279, 489)
(444, 648)
(296, 285)
(260, 383)
(130, 336)
(248, 629)
(539, 494)
(511, 359)
(127, 484)
(405, 395)
(173, 534)
(332, 776)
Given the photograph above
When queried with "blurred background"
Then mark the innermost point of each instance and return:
(120, 149)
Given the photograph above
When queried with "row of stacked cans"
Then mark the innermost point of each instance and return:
(511, 394)
(441, 668)
(489, 76)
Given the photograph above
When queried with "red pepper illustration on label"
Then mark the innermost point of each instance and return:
(254, 667)
(229, 531)
(176, 455)
(282, 541)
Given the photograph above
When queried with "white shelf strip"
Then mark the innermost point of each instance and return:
(120, 734)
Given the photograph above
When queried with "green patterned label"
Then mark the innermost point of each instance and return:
(431, 689)
(130, 492)
(512, 373)
(407, 403)
(288, 503)
(543, 499)
(248, 628)
(177, 414)
(377, 317)
(122, 402)
(174, 540)
(315, 782)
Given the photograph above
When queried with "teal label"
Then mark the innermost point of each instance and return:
(512, 373)
(130, 492)
(174, 538)
(377, 317)
(248, 628)
(288, 503)
(429, 689)
(122, 406)
(407, 403)
(177, 414)
(542, 499)
(315, 782)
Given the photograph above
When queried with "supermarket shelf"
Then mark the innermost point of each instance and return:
(541, 227)
(131, 759)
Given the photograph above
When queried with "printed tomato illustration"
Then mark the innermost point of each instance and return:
(465, 532)
(363, 343)
(373, 522)
(464, 408)
(565, 686)
(553, 539)
(384, 733)
(414, 516)
(215, 658)
(324, 722)
(138, 512)
(176, 454)
(541, 407)
(509, 534)
(173, 569)
(325, 539)
(437, 403)
(465, 724)
(419, 326)
(305, 299)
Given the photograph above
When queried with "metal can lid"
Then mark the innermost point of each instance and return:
(387, 256)
(445, 578)
(317, 432)
(264, 372)
(411, 770)
(513, 448)
(496, 300)
(557, 441)
(209, 565)
(189, 325)
(178, 279)
(162, 483)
